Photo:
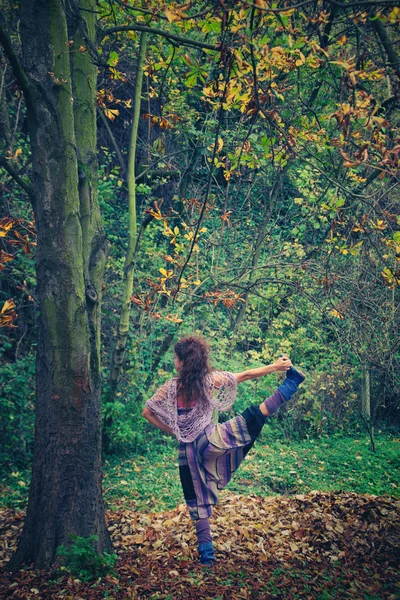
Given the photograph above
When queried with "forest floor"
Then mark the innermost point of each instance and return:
(276, 536)
(318, 545)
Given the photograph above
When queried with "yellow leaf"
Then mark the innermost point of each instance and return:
(171, 16)
(138, 539)
(5, 228)
(8, 305)
(163, 272)
(250, 546)
(111, 113)
(336, 313)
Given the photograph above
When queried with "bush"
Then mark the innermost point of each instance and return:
(17, 394)
(326, 403)
(81, 559)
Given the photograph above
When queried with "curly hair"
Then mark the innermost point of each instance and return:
(194, 354)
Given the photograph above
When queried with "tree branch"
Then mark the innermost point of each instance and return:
(392, 55)
(113, 141)
(170, 36)
(27, 188)
(334, 2)
(17, 68)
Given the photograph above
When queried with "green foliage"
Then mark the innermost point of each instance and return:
(82, 560)
(17, 396)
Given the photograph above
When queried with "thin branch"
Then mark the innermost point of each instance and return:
(334, 2)
(220, 115)
(163, 158)
(27, 188)
(170, 36)
(17, 68)
(112, 139)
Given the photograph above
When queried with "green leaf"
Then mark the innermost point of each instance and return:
(113, 59)
(396, 237)
(191, 80)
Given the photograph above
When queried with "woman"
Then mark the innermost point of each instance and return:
(209, 453)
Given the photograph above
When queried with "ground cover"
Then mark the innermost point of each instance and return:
(318, 545)
(315, 519)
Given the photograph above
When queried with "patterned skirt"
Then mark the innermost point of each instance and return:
(206, 465)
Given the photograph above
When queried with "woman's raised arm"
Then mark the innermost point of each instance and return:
(281, 364)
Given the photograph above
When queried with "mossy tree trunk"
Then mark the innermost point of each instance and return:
(65, 494)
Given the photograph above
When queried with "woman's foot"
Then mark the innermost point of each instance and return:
(293, 379)
(206, 552)
(296, 375)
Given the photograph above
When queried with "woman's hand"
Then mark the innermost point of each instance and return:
(283, 363)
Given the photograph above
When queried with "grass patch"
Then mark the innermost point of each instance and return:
(150, 482)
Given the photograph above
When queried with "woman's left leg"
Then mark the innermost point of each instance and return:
(232, 440)
(283, 393)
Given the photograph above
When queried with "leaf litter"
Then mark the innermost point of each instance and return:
(314, 545)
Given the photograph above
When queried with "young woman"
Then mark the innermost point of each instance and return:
(210, 453)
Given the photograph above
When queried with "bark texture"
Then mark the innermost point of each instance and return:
(65, 495)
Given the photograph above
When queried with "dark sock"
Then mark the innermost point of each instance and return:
(203, 531)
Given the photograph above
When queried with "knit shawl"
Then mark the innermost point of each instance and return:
(220, 391)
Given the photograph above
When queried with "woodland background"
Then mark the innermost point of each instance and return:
(246, 172)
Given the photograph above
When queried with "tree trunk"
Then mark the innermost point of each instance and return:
(5, 130)
(366, 403)
(65, 494)
(366, 393)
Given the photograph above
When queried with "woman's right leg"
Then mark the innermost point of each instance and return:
(204, 540)
(199, 499)
(203, 531)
